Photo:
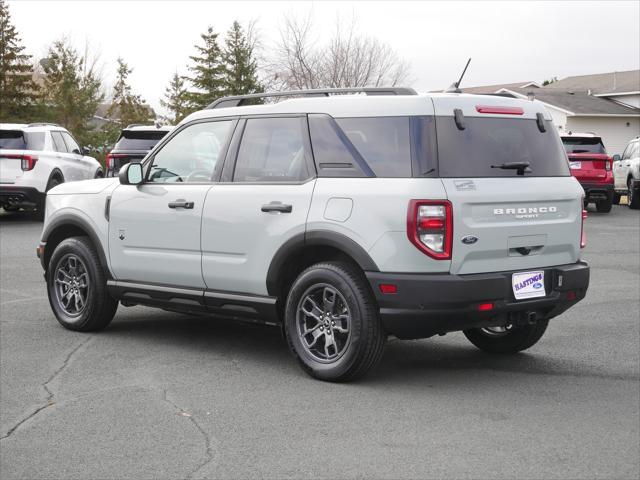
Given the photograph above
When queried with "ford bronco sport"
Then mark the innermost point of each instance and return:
(343, 219)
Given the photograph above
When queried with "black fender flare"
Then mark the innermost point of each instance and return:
(321, 238)
(80, 223)
(56, 172)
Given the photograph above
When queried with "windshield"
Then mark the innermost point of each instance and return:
(19, 140)
(487, 143)
(139, 140)
(583, 145)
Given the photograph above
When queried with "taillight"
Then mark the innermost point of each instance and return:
(430, 227)
(583, 236)
(28, 162)
(499, 110)
(607, 164)
(108, 161)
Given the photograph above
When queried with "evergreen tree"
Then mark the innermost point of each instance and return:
(175, 99)
(241, 67)
(72, 88)
(18, 91)
(208, 72)
(126, 106)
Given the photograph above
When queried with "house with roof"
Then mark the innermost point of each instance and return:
(607, 104)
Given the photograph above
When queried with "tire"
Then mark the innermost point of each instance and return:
(327, 352)
(91, 308)
(616, 198)
(99, 174)
(510, 341)
(633, 199)
(604, 206)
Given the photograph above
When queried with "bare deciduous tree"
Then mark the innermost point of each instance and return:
(348, 59)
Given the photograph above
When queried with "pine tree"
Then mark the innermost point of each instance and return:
(18, 91)
(241, 67)
(72, 88)
(126, 106)
(175, 99)
(208, 72)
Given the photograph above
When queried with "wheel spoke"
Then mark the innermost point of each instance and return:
(314, 312)
(316, 335)
(83, 280)
(330, 341)
(329, 299)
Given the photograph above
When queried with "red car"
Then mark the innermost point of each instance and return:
(590, 164)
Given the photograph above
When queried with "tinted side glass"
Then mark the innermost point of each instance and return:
(383, 142)
(192, 154)
(494, 141)
(583, 145)
(58, 142)
(424, 148)
(272, 150)
(139, 140)
(334, 154)
(72, 145)
(19, 140)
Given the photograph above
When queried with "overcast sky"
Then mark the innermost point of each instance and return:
(508, 41)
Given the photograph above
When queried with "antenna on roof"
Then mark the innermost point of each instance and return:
(455, 87)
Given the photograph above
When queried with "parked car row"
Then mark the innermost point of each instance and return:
(36, 157)
(604, 179)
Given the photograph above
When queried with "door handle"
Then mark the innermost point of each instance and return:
(276, 207)
(181, 204)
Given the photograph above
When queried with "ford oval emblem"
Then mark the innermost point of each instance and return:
(469, 239)
(537, 285)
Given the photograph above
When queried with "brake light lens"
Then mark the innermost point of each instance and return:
(583, 235)
(28, 162)
(499, 110)
(607, 164)
(485, 307)
(430, 227)
(108, 161)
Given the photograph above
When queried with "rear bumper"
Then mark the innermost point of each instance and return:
(598, 191)
(20, 196)
(430, 304)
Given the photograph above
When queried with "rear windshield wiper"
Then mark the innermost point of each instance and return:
(521, 167)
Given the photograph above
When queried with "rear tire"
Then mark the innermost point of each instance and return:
(510, 341)
(616, 198)
(604, 206)
(633, 199)
(344, 337)
(99, 174)
(77, 287)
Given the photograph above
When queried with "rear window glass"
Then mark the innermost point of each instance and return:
(583, 145)
(139, 140)
(495, 141)
(19, 140)
(383, 142)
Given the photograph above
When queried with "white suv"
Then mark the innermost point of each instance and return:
(626, 174)
(342, 219)
(35, 158)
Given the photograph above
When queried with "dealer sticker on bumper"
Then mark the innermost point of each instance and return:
(528, 285)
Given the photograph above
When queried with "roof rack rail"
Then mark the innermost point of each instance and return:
(43, 124)
(237, 101)
(131, 125)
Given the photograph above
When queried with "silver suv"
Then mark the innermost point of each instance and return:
(341, 218)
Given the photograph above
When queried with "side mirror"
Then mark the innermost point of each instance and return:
(86, 151)
(131, 174)
(616, 158)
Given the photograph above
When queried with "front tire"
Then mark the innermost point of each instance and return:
(332, 324)
(77, 287)
(504, 340)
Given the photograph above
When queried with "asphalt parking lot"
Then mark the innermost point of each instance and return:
(163, 395)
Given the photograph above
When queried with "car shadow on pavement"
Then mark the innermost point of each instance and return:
(402, 362)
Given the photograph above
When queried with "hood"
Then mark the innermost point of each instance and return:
(84, 187)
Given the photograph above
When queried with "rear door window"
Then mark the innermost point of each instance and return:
(20, 140)
(72, 145)
(487, 142)
(139, 140)
(272, 150)
(384, 143)
(58, 142)
(583, 145)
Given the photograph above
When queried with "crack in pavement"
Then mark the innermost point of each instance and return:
(209, 452)
(50, 393)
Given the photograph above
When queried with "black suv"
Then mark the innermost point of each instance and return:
(134, 143)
